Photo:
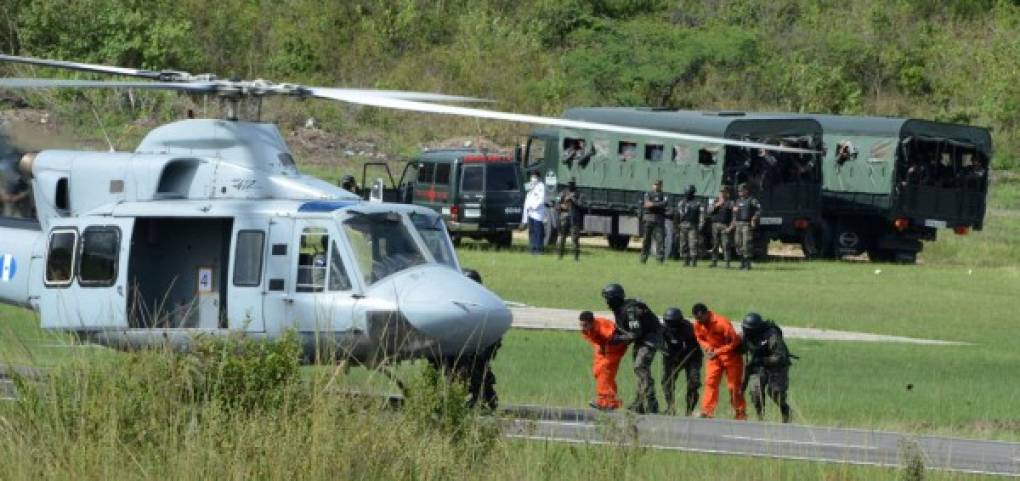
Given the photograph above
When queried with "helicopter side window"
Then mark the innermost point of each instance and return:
(60, 258)
(338, 279)
(312, 255)
(248, 258)
(100, 251)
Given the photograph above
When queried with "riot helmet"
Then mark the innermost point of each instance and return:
(689, 191)
(473, 275)
(753, 324)
(613, 294)
(672, 316)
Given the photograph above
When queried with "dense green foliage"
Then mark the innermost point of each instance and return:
(952, 60)
(942, 59)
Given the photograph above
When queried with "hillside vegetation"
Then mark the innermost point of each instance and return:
(952, 60)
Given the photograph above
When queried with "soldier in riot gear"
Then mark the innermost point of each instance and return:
(570, 206)
(640, 326)
(746, 214)
(680, 352)
(768, 365)
(653, 216)
(720, 211)
(688, 220)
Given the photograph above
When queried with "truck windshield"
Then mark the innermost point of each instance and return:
(501, 177)
(433, 232)
(382, 245)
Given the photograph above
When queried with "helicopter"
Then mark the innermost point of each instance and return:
(208, 228)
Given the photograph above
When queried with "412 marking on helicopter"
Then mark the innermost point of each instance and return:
(208, 228)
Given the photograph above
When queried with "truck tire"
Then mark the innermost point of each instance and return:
(618, 242)
(760, 248)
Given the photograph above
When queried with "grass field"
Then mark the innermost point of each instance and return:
(965, 290)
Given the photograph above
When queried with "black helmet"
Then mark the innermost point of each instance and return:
(672, 316)
(753, 322)
(473, 275)
(689, 191)
(347, 180)
(613, 292)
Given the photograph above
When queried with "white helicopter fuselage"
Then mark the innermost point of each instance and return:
(209, 229)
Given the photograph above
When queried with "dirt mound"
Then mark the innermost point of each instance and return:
(467, 142)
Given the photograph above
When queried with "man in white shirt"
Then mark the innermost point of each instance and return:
(534, 213)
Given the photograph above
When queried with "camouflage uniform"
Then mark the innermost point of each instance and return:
(681, 351)
(722, 217)
(689, 219)
(746, 211)
(654, 220)
(571, 219)
(768, 370)
(640, 325)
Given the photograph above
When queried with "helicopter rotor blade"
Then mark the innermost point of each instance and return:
(401, 94)
(401, 104)
(82, 67)
(33, 83)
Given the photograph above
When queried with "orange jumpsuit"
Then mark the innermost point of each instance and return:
(607, 361)
(718, 335)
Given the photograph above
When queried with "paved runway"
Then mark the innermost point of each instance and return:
(848, 446)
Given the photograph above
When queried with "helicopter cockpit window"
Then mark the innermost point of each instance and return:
(248, 258)
(100, 251)
(60, 258)
(382, 245)
(312, 255)
(433, 232)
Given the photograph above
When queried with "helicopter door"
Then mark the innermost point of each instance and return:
(248, 257)
(322, 294)
(278, 277)
(93, 294)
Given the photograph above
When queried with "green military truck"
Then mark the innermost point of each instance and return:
(614, 170)
(478, 193)
(891, 183)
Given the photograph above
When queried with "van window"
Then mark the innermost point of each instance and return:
(426, 171)
(653, 152)
(442, 174)
(471, 178)
(501, 178)
(627, 150)
(681, 154)
(705, 157)
(100, 252)
(248, 258)
(60, 258)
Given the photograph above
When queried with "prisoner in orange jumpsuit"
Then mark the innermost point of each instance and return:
(721, 344)
(601, 333)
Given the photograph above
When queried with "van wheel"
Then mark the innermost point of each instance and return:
(760, 248)
(502, 239)
(618, 242)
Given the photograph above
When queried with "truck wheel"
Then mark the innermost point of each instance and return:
(809, 244)
(502, 239)
(618, 242)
